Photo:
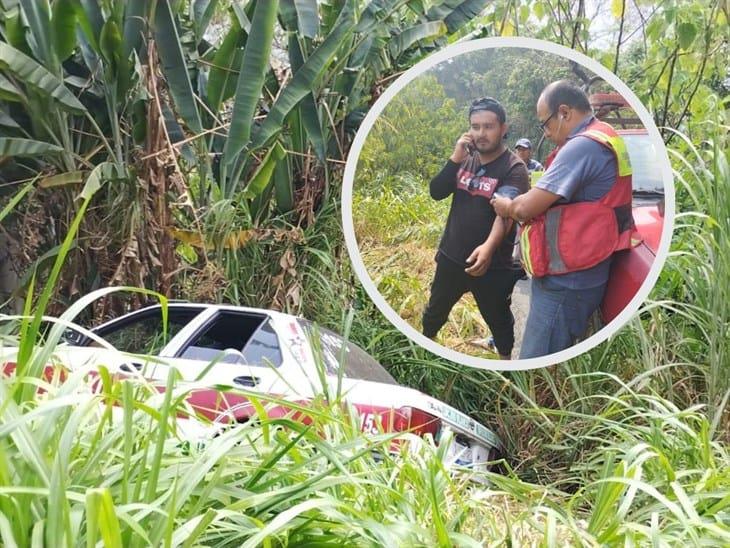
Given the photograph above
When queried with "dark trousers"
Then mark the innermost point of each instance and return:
(492, 292)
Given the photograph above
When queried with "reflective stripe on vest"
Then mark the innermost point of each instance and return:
(616, 144)
(525, 248)
(552, 223)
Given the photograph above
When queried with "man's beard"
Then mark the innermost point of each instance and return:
(486, 149)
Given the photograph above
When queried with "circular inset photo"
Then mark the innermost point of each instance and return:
(508, 203)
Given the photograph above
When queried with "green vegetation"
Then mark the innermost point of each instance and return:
(627, 444)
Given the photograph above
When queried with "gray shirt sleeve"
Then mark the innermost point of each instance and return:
(583, 170)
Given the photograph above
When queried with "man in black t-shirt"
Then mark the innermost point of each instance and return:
(475, 253)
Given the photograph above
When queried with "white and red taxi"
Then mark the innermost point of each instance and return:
(270, 353)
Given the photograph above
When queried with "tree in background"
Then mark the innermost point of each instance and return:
(417, 130)
(514, 76)
(414, 135)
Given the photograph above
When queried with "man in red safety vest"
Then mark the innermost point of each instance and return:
(574, 219)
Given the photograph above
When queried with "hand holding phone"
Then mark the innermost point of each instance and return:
(464, 148)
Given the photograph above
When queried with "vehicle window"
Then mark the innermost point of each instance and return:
(250, 334)
(143, 333)
(646, 174)
(358, 363)
(263, 346)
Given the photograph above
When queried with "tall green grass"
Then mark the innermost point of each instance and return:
(80, 466)
(115, 466)
(627, 444)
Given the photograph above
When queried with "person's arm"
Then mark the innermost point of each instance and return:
(515, 183)
(568, 171)
(526, 206)
(482, 255)
(444, 184)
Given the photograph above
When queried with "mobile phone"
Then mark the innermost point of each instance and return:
(469, 148)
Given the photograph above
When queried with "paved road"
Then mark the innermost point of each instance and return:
(520, 308)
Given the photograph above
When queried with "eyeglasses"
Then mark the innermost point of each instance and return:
(543, 124)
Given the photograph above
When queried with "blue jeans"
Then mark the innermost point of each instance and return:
(558, 316)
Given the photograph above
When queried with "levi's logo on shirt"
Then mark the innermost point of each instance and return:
(476, 185)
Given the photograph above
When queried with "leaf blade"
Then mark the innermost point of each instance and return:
(63, 28)
(16, 146)
(31, 72)
(307, 17)
(251, 79)
(302, 82)
(173, 65)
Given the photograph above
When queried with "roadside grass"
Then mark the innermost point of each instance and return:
(648, 407)
(125, 462)
(398, 227)
(114, 465)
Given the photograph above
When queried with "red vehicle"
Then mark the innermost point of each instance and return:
(630, 268)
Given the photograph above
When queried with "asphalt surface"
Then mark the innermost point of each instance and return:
(520, 308)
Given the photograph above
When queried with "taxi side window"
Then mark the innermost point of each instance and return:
(144, 332)
(251, 335)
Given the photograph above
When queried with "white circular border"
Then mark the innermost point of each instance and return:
(349, 230)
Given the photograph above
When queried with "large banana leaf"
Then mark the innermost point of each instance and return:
(134, 25)
(284, 185)
(15, 29)
(308, 107)
(375, 13)
(30, 72)
(262, 177)
(101, 174)
(176, 134)
(288, 15)
(250, 79)
(8, 91)
(9, 4)
(308, 17)
(305, 78)
(62, 179)
(63, 28)
(39, 21)
(90, 22)
(404, 40)
(7, 120)
(112, 49)
(226, 62)
(243, 18)
(455, 13)
(92, 13)
(173, 65)
(15, 147)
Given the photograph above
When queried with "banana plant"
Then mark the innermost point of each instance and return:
(81, 81)
(98, 48)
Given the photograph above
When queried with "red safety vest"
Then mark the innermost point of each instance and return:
(572, 237)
